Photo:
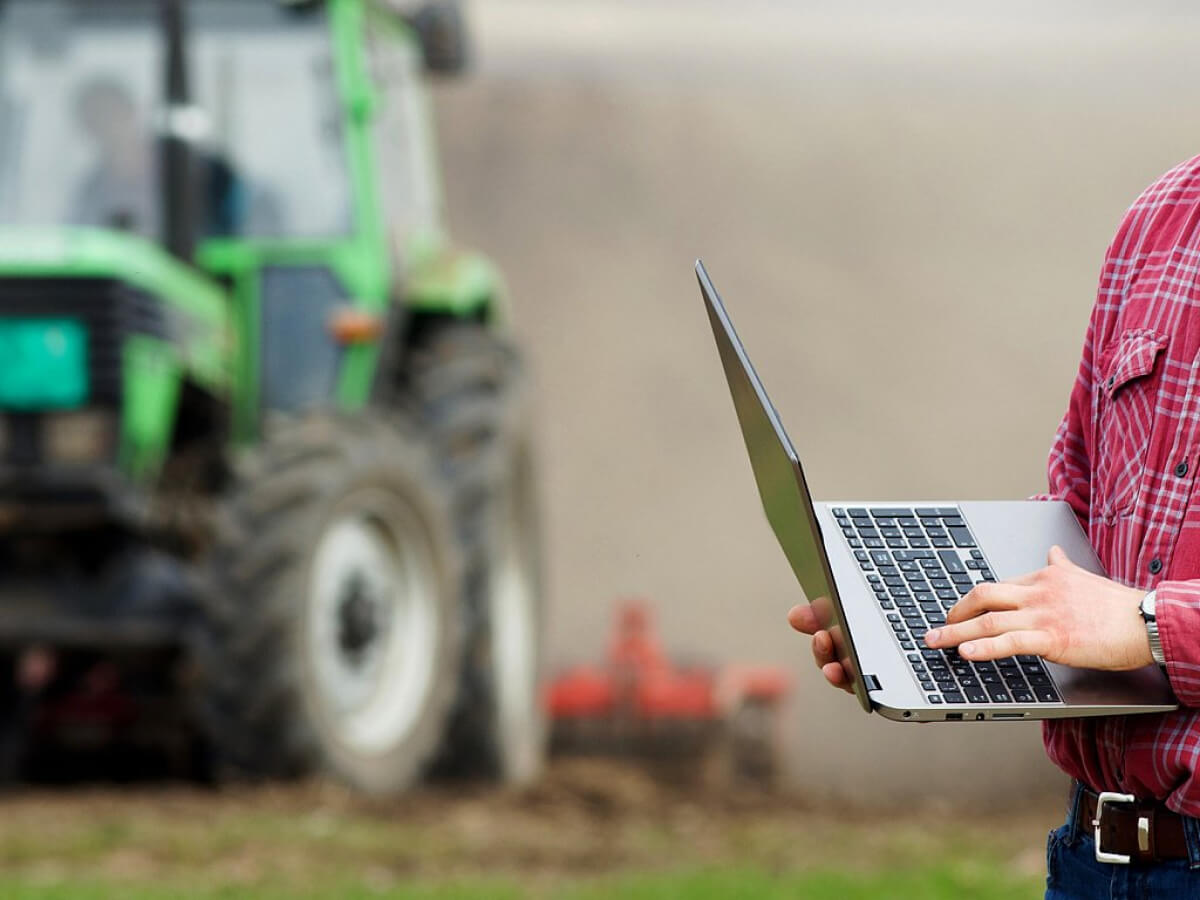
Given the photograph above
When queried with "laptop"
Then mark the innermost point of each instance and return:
(881, 573)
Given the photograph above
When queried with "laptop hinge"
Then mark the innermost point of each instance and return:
(872, 683)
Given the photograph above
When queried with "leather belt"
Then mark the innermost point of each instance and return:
(1128, 830)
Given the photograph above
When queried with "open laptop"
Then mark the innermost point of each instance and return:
(882, 573)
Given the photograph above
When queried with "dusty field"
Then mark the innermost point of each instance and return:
(905, 207)
(585, 821)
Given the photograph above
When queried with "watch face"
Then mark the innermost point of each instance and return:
(1147, 606)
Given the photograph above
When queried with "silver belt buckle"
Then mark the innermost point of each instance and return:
(1143, 828)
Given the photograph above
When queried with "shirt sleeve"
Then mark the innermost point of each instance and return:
(1069, 467)
(1177, 607)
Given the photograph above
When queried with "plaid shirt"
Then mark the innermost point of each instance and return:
(1126, 457)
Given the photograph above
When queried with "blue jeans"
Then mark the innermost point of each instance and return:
(1072, 872)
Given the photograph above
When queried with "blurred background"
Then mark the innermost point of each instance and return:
(905, 207)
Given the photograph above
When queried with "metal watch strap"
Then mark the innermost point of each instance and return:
(1150, 617)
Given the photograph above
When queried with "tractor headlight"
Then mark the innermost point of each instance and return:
(83, 436)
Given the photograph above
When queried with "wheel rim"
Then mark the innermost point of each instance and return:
(515, 647)
(373, 628)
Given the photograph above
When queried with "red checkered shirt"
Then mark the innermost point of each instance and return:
(1126, 458)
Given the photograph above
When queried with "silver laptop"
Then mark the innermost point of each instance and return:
(881, 573)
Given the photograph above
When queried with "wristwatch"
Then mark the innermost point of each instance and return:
(1151, 620)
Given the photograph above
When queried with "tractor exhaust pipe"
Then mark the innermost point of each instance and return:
(176, 171)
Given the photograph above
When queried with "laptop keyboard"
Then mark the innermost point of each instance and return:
(919, 562)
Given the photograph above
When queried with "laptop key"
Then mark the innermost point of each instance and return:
(918, 542)
(872, 542)
(1022, 696)
(962, 537)
(950, 560)
(1047, 694)
(907, 645)
(998, 694)
(976, 695)
(952, 696)
(896, 543)
(934, 698)
(859, 514)
(941, 542)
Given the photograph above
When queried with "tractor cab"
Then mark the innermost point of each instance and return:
(90, 102)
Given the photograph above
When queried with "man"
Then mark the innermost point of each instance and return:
(1125, 458)
(121, 190)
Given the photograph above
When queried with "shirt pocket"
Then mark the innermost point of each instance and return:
(1128, 393)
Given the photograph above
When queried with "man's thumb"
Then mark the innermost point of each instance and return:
(1057, 557)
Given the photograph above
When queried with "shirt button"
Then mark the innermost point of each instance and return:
(1155, 566)
(1112, 379)
(1181, 469)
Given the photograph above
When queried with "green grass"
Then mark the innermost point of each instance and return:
(935, 882)
(588, 836)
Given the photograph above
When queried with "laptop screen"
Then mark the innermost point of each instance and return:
(785, 498)
(780, 478)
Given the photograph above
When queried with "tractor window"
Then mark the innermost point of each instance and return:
(264, 76)
(404, 148)
(78, 94)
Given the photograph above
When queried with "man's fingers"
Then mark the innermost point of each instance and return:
(1058, 557)
(804, 619)
(990, 624)
(836, 675)
(993, 595)
(822, 649)
(1008, 644)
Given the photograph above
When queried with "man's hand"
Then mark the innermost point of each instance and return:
(1062, 612)
(804, 619)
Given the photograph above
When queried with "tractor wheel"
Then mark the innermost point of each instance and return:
(331, 638)
(469, 388)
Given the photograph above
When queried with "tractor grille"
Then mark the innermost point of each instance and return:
(108, 309)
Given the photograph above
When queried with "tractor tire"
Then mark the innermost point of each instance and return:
(331, 634)
(470, 392)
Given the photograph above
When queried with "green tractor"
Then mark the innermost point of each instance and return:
(266, 492)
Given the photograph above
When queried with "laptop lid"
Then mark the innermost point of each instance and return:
(780, 478)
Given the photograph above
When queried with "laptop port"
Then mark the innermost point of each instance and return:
(1013, 715)
(954, 717)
